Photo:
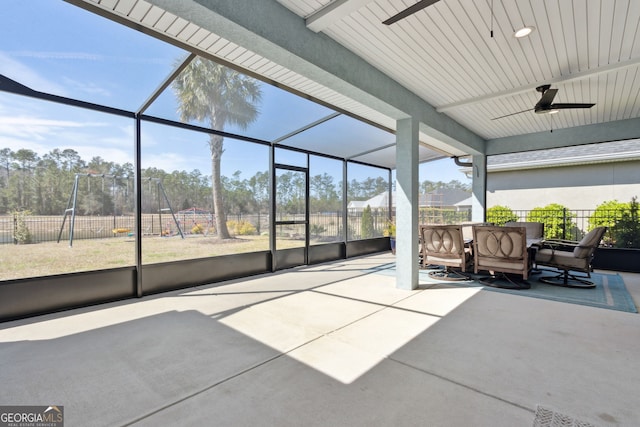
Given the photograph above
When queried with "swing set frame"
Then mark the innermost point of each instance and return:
(72, 204)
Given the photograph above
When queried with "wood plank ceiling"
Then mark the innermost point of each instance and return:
(461, 56)
(588, 49)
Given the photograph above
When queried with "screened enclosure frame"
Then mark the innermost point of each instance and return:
(30, 296)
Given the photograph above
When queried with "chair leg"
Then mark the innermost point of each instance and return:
(568, 280)
(505, 281)
(449, 275)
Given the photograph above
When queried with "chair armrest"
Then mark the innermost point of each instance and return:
(561, 242)
(557, 245)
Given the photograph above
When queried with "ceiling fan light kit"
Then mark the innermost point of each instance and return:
(524, 31)
(545, 105)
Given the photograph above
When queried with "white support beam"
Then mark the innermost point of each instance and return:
(407, 178)
(479, 188)
(581, 135)
(278, 35)
(333, 12)
(530, 87)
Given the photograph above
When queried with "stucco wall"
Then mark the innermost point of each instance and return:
(576, 187)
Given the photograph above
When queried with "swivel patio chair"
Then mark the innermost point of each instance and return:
(570, 257)
(534, 230)
(443, 245)
(502, 251)
(535, 234)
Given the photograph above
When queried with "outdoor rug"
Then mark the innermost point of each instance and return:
(549, 418)
(610, 291)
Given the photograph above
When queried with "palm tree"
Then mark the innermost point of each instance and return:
(213, 93)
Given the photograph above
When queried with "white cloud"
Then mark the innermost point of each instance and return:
(87, 87)
(57, 55)
(25, 75)
(32, 127)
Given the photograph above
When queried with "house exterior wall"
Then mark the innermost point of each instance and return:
(575, 187)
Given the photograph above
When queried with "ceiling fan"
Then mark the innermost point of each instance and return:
(409, 11)
(546, 105)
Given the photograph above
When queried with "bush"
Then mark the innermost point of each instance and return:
(557, 220)
(316, 229)
(607, 214)
(366, 225)
(241, 228)
(626, 232)
(500, 215)
(389, 229)
(22, 234)
(197, 229)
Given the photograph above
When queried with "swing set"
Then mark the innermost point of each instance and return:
(72, 204)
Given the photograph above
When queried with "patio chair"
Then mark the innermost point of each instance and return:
(467, 229)
(570, 257)
(502, 251)
(535, 230)
(535, 234)
(443, 245)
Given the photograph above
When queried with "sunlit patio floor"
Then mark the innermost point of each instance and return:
(327, 345)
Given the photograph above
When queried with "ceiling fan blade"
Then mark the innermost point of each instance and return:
(547, 99)
(567, 106)
(512, 114)
(409, 11)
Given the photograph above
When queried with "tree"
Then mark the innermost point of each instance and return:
(25, 161)
(238, 197)
(259, 186)
(210, 92)
(607, 214)
(627, 230)
(324, 194)
(6, 158)
(366, 226)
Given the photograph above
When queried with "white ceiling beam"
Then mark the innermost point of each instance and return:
(522, 89)
(333, 12)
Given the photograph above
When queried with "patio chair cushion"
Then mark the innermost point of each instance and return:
(457, 262)
(546, 256)
(590, 241)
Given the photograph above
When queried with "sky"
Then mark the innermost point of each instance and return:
(83, 56)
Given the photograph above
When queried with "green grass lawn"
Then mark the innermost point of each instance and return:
(40, 259)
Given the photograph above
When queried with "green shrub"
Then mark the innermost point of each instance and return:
(197, 229)
(389, 229)
(366, 225)
(557, 220)
(22, 234)
(241, 228)
(500, 215)
(626, 232)
(607, 214)
(316, 229)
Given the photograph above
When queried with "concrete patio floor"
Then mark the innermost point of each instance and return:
(327, 345)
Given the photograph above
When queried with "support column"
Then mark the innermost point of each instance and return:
(407, 204)
(479, 188)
